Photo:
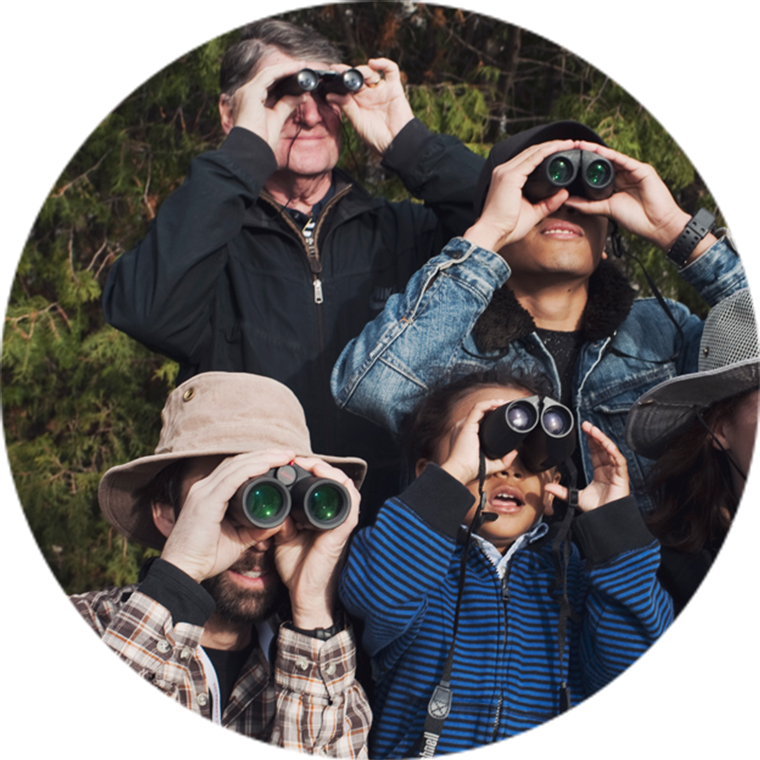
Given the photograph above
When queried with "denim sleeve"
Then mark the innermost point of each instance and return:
(383, 373)
(717, 273)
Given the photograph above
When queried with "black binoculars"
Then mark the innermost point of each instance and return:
(308, 80)
(541, 429)
(265, 501)
(582, 172)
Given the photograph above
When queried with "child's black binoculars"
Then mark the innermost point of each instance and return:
(541, 429)
(582, 172)
(308, 80)
(265, 501)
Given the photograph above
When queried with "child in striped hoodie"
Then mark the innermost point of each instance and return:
(477, 635)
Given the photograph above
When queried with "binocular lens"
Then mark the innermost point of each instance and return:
(560, 170)
(556, 422)
(325, 503)
(307, 79)
(521, 416)
(352, 80)
(598, 173)
(264, 502)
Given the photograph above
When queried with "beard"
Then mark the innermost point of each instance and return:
(240, 605)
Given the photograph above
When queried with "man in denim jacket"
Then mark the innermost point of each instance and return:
(530, 285)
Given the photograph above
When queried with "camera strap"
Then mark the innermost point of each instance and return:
(620, 249)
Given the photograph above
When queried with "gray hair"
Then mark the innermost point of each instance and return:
(242, 57)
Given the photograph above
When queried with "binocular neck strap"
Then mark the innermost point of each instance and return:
(439, 705)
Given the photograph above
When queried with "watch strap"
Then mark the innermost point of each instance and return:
(699, 225)
(318, 633)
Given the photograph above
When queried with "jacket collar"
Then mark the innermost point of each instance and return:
(609, 302)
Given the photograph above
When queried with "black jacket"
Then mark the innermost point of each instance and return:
(225, 280)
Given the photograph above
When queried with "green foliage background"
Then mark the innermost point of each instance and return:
(79, 397)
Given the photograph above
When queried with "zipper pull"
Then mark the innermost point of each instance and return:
(318, 298)
(505, 588)
(308, 234)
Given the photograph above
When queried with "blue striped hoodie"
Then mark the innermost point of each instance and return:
(401, 579)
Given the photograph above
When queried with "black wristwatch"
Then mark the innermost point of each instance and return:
(318, 633)
(699, 225)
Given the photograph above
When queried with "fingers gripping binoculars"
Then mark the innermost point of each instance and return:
(581, 172)
(308, 80)
(541, 429)
(265, 501)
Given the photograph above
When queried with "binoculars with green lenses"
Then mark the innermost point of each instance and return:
(265, 501)
(541, 429)
(581, 172)
(308, 80)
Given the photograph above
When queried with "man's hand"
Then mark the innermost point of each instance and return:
(610, 473)
(641, 203)
(309, 561)
(379, 110)
(507, 215)
(202, 543)
(249, 106)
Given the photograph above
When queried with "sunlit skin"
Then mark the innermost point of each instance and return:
(304, 131)
(554, 245)
(519, 497)
(245, 568)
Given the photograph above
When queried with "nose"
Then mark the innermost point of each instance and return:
(308, 113)
(515, 471)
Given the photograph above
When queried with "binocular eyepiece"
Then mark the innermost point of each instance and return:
(308, 80)
(582, 172)
(541, 429)
(265, 501)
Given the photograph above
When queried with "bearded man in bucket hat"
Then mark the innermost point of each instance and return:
(530, 287)
(238, 623)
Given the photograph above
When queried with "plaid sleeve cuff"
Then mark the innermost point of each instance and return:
(319, 668)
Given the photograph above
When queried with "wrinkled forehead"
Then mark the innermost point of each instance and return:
(276, 57)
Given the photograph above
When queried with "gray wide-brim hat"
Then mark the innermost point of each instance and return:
(729, 364)
(210, 414)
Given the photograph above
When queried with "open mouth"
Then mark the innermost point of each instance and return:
(506, 501)
(561, 229)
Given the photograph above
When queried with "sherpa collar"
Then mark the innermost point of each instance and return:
(609, 302)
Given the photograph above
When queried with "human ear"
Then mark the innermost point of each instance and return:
(719, 435)
(226, 112)
(420, 466)
(163, 518)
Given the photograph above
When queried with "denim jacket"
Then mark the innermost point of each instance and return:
(426, 335)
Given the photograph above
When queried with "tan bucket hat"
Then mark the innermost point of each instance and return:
(729, 364)
(211, 413)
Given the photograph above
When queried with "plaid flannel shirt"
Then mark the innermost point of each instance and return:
(107, 674)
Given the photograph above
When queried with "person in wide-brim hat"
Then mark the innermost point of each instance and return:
(700, 430)
(729, 365)
(212, 413)
(238, 622)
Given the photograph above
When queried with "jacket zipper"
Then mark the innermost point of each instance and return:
(312, 254)
(505, 600)
(308, 236)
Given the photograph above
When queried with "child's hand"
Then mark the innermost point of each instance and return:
(463, 459)
(610, 473)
